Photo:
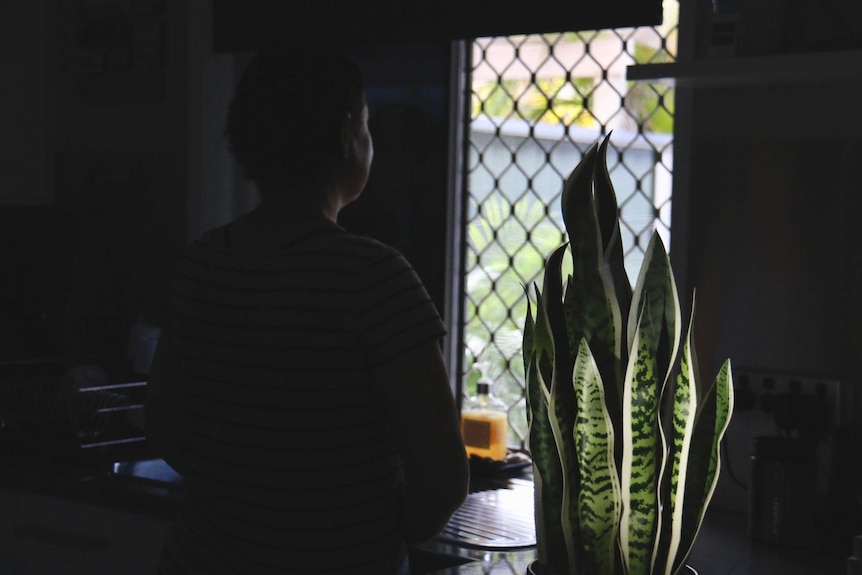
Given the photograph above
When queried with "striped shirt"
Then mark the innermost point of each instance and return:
(291, 466)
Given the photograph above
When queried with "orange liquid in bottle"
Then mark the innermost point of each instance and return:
(484, 434)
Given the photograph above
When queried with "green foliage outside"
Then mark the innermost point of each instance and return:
(500, 264)
(549, 100)
(561, 100)
(652, 105)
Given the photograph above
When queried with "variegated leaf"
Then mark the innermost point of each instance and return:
(712, 420)
(544, 447)
(607, 211)
(593, 313)
(656, 288)
(552, 300)
(527, 347)
(598, 498)
(592, 307)
(606, 199)
(563, 407)
(547, 474)
(723, 412)
(613, 269)
(643, 454)
(562, 412)
(543, 341)
(577, 197)
(681, 436)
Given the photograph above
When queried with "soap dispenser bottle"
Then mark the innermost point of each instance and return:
(484, 420)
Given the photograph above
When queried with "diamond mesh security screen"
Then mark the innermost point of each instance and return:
(538, 103)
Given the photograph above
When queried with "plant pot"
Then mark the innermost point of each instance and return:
(535, 568)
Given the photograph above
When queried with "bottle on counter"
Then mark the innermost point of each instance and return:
(484, 420)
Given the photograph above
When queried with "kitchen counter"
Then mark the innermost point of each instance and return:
(152, 489)
(42, 460)
(100, 487)
(722, 547)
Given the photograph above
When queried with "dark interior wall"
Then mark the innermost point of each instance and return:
(771, 197)
(773, 233)
(30, 306)
(103, 97)
(25, 177)
(774, 202)
(122, 168)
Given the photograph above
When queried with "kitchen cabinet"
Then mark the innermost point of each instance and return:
(61, 537)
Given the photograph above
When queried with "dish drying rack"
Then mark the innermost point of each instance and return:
(90, 422)
(108, 416)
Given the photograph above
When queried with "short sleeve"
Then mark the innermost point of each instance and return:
(393, 312)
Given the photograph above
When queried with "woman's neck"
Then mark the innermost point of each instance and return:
(273, 223)
(297, 205)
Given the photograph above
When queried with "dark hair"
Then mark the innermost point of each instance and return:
(284, 122)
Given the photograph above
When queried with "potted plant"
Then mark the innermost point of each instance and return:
(623, 433)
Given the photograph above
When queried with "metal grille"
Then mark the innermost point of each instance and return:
(538, 103)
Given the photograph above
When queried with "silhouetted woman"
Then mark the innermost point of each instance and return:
(299, 388)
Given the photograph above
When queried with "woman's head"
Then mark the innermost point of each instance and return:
(298, 117)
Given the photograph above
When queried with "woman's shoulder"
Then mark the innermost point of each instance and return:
(330, 244)
(213, 237)
(240, 237)
(365, 244)
(208, 243)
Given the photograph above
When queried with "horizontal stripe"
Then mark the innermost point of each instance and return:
(354, 399)
(298, 469)
(284, 434)
(286, 282)
(302, 510)
(303, 526)
(323, 383)
(403, 278)
(268, 353)
(277, 449)
(280, 364)
(370, 527)
(395, 353)
(401, 321)
(256, 305)
(208, 482)
(360, 496)
(289, 428)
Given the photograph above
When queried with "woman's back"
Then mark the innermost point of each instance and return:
(290, 465)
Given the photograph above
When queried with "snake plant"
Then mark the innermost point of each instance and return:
(623, 433)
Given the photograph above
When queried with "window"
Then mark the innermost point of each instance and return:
(538, 103)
